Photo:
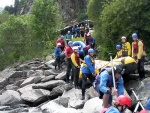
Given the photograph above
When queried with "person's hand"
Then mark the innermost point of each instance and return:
(65, 58)
(78, 66)
(94, 74)
(114, 92)
(137, 61)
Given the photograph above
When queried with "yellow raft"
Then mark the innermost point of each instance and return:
(128, 62)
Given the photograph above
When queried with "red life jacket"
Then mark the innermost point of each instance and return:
(77, 59)
(135, 46)
(69, 51)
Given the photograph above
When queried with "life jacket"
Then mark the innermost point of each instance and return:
(92, 62)
(70, 51)
(90, 38)
(110, 78)
(135, 46)
(118, 54)
(124, 50)
(77, 58)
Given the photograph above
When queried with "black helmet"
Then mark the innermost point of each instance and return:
(118, 69)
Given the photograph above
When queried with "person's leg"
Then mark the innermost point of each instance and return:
(77, 79)
(68, 70)
(142, 70)
(106, 100)
(74, 74)
(83, 85)
(58, 62)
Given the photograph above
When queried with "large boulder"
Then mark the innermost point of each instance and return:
(62, 101)
(66, 110)
(141, 88)
(51, 72)
(49, 85)
(74, 96)
(91, 92)
(61, 76)
(12, 87)
(93, 105)
(23, 67)
(10, 98)
(35, 96)
(50, 107)
(48, 78)
(50, 64)
(25, 88)
(58, 91)
(31, 80)
(33, 73)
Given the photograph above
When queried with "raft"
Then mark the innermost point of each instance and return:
(129, 64)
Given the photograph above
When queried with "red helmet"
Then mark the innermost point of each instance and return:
(124, 100)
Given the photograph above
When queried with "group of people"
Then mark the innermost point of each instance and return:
(103, 81)
(136, 50)
(78, 31)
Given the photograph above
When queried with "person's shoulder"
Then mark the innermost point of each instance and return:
(112, 110)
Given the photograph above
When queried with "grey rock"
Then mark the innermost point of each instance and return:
(62, 101)
(12, 87)
(19, 82)
(31, 80)
(96, 104)
(4, 108)
(23, 67)
(66, 110)
(35, 96)
(141, 88)
(34, 110)
(61, 76)
(77, 104)
(50, 107)
(10, 98)
(58, 91)
(33, 73)
(51, 72)
(49, 85)
(25, 88)
(92, 92)
(48, 78)
(49, 64)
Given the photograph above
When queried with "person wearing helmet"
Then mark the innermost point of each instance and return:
(61, 40)
(138, 52)
(88, 70)
(119, 51)
(147, 108)
(57, 53)
(104, 83)
(68, 52)
(120, 105)
(126, 47)
(90, 40)
(75, 58)
(68, 37)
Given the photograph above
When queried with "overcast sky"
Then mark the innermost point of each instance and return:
(4, 3)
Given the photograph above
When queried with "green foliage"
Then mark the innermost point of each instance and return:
(27, 36)
(82, 16)
(118, 18)
(4, 16)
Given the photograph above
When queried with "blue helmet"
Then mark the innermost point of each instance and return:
(91, 51)
(118, 46)
(70, 42)
(134, 35)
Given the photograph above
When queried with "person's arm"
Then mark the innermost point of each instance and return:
(129, 48)
(73, 60)
(120, 87)
(66, 52)
(116, 56)
(132, 50)
(140, 50)
(55, 52)
(89, 64)
(103, 83)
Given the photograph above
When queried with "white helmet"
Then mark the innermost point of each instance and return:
(58, 44)
(75, 48)
(123, 37)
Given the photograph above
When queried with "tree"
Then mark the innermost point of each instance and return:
(122, 17)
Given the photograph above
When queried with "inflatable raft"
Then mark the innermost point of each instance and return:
(129, 65)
